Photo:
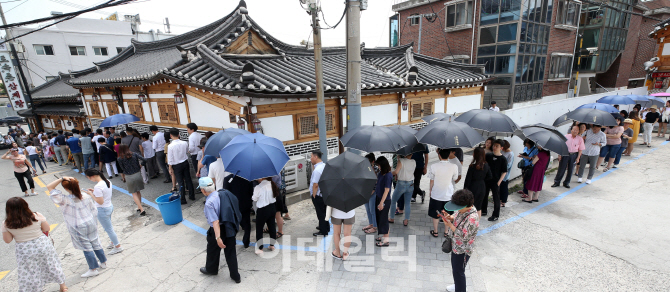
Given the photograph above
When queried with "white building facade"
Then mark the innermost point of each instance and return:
(74, 45)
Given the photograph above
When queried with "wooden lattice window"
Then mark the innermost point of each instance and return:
(232, 118)
(168, 112)
(330, 126)
(136, 109)
(421, 109)
(112, 108)
(308, 124)
(95, 109)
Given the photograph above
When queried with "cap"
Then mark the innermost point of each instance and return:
(205, 182)
(629, 121)
(449, 206)
(654, 107)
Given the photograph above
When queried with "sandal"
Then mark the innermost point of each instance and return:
(605, 169)
(265, 230)
(524, 196)
(433, 233)
(334, 256)
(287, 217)
(405, 222)
(380, 244)
(502, 205)
(345, 256)
(378, 239)
(391, 221)
(370, 230)
(445, 234)
(279, 235)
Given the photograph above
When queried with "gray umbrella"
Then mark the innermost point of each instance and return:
(562, 120)
(591, 116)
(489, 122)
(437, 117)
(373, 138)
(407, 150)
(551, 140)
(445, 134)
(406, 132)
(347, 181)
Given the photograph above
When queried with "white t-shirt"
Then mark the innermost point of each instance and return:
(97, 144)
(31, 150)
(101, 190)
(337, 214)
(443, 174)
(263, 195)
(457, 163)
(406, 173)
(218, 173)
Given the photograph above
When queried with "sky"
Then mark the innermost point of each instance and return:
(284, 19)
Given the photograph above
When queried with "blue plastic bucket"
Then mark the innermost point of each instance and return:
(171, 211)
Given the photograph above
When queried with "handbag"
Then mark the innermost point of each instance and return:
(446, 245)
(521, 164)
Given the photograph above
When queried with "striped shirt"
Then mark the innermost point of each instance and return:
(591, 138)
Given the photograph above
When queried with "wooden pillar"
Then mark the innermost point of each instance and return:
(188, 113)
(151, 112)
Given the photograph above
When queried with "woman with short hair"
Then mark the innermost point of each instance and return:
(36, 259)
(130, 164)
(534, 184)
(462, 228)
(81, 220)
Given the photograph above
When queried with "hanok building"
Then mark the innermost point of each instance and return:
(659, 66)
(56, 106)
(232, 73)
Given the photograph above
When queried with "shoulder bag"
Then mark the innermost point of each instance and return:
(446, 245)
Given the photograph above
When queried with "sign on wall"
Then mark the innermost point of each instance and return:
(11, 81)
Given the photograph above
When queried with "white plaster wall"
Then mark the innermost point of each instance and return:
(461, 104)
(439, 105)
(404, 115)
(381, 115)
(161, 96)
(278, 127)
(207, 115)
(157, 115)
(183, 118)
(547, 113)
(147, 112)
(104, 108)
(125, 105)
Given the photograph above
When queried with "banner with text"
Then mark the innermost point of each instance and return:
(11, 80)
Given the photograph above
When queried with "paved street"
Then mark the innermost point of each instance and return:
(608, 236)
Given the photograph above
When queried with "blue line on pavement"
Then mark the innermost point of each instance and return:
(323, 247)
(561, 196)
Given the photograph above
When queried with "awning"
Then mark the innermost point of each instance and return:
(67, 109)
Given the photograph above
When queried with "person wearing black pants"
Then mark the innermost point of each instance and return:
(223, 215)
(182, 174)
(458, 263)
(498, 164)
(178, 161)
(265, 194)
(421, 159)
(315, 194)
(320, 206)
(243, 190)
(22, 169)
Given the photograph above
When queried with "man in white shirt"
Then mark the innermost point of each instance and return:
(217, 173)
(442, 176)
(315, 193)
(494, 107)
(158, 144)
(193, 142)
(178, 160)
(454, 160)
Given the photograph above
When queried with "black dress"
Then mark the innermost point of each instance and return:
(475, 182)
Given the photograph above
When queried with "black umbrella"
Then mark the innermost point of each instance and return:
(407, 150)
(562, 120)
(541, 125)
(489, 122)
(445, 134)
(347, 181)
(592, 116)
(551, 140)
(437, 117)
(373, 138)
(406, 132)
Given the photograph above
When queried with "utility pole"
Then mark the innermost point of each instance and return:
(353, 64)
(8, 34)
(318, 62)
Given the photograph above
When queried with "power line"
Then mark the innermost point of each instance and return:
(41, 28)
(16, 6)
(338, 23)
(38, 66)
(110, 3)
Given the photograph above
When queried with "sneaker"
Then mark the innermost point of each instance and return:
(413, 200)
(115, 250)
(110, 246)
(615, 166)
(588, 181)
(34, 194)
(90, 273)
(103, 265)
(579, 180)
(451, 288)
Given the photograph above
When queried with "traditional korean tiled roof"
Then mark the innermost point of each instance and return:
(54, 89)
(201, 58)
(60, 109)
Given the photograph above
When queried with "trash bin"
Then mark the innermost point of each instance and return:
(171, 211)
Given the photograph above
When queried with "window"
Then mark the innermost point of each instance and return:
(488, 35)
(507, 32)
(119, 50)
(421, 109)
(232, 118)
(567, 13)
(168, 112)
(308, 126)
(44, 50)
(414, 19)
(77, 51)
(100, 51)
(112, 108)
(560, 66)
(136, 109)
(95, 109)
(459, 14)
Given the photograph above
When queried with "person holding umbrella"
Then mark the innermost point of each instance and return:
(593, 140)
(498, 163)
(442, 175)
(575, 145)
(404, 171)
(610, 150)
(383, 200)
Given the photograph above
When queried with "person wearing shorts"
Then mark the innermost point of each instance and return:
(342, 222)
